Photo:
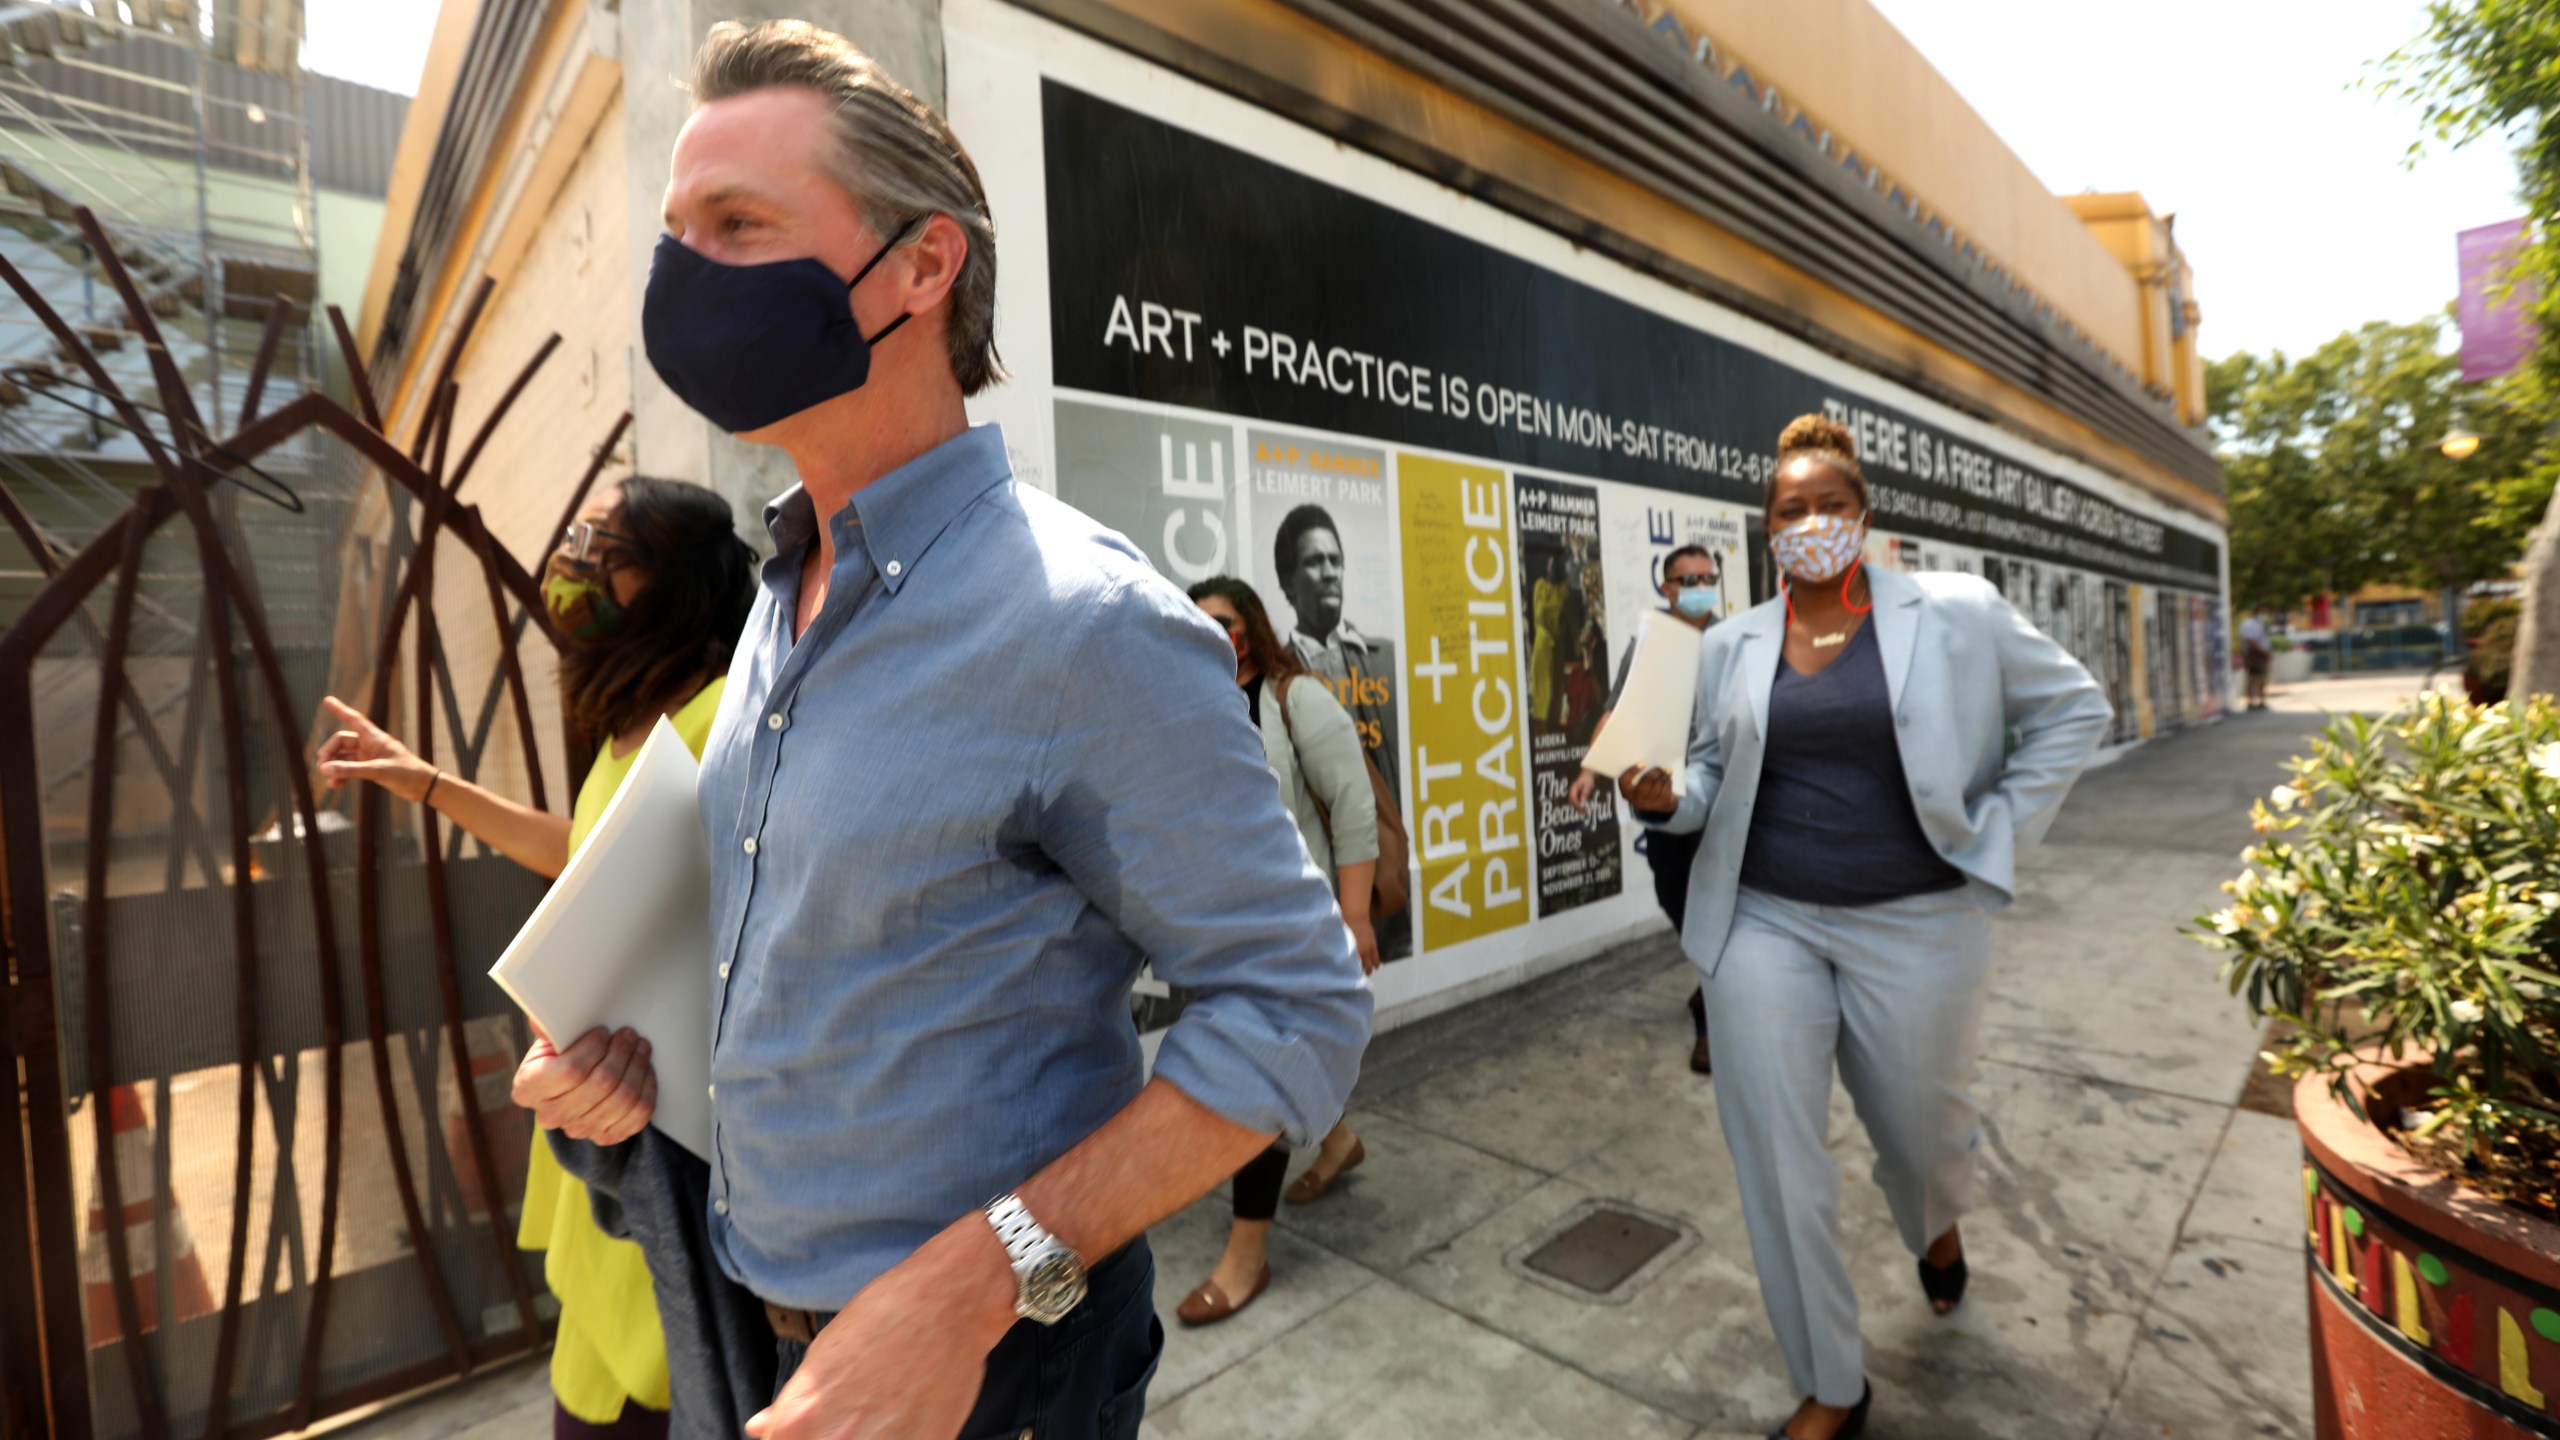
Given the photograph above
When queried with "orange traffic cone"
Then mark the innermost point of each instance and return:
(509, 1128)
(131, 1149)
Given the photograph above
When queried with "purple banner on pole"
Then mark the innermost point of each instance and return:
(2497, 330)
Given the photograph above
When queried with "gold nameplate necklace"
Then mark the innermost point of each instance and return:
(1837, 637)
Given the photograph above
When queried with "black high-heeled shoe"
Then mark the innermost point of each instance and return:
(1944, 1282)
(1851, 1428)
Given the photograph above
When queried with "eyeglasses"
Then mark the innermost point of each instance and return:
(578, 542)
(1689, 582)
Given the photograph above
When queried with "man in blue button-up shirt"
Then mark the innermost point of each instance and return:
(975, 764)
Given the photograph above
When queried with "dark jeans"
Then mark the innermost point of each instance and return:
(1084, 1378)
(1259, 1183)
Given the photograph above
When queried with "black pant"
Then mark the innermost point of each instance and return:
(1084, 1378)
(637, 1422)
(1258, 1183)
(1669, 857)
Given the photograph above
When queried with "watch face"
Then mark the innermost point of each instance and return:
(1052, 1286)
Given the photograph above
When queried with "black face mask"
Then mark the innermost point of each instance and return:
(747, 345)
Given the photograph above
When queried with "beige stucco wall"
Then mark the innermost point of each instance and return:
(569, 279)
(1849, 69)
(2146, 245)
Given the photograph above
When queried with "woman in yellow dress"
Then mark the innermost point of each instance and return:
(1546, 648)
(650, 588)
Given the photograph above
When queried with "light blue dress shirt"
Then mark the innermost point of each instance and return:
(1003, 768)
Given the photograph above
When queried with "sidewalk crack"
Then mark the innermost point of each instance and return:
(2177, 1237)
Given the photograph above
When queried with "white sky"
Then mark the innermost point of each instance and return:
(2239, 116)
(382, 43)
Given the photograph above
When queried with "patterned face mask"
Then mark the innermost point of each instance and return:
(580, 599)
(1819, 548)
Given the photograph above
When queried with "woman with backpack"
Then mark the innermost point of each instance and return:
(1314, 751)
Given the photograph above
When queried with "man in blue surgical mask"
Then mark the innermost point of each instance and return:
(1692, 581)
(945, 834)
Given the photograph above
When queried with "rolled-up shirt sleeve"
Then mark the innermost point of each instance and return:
(1155, 799)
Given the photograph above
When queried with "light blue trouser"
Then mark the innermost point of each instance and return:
(1895, 993)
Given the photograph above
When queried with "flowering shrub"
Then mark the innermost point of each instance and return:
(2405, 895)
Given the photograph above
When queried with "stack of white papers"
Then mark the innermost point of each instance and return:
(624, 937)
(1649, 726)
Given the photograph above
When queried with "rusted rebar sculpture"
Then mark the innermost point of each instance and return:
(40, 1290)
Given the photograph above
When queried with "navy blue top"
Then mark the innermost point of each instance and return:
(1834, 823)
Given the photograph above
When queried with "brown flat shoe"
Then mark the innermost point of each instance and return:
(1311, 1187)
(1208, 1305)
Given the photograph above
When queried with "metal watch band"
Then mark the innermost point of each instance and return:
(1021, 1234)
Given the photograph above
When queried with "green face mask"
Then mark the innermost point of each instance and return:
(580, 600)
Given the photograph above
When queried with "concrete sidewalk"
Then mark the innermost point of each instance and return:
(2136, 1267)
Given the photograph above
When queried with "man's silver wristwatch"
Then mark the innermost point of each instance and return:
(1048, 1278)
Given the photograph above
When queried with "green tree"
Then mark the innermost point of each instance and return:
(2287, 518)
(2490, 70)
(2336, 476)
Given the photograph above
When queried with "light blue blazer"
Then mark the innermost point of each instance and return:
(1963, 669)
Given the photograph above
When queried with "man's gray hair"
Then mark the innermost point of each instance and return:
(897, 158)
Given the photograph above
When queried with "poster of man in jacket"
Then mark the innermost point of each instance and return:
(1323, 552)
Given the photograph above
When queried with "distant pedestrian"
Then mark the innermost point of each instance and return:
(2257, 656)
(1691, 581)
(1850, 768)
(649, 589)
(1314, 751)
(1585, 701)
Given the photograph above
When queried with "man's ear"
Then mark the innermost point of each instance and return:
(933, 262)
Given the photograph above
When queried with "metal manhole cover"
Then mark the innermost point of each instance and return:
(1600, 1251)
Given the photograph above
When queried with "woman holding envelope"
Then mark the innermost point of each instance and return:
(649, 589)
(1849, 764)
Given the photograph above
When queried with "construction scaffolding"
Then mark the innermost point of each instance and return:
(183, 128)
(188, 132)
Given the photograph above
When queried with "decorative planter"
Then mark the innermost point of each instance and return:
(2289, 667)
(2435, 1310)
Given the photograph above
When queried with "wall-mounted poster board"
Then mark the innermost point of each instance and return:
(1452, 450)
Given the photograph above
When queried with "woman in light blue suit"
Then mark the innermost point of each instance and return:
(1850, 761)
